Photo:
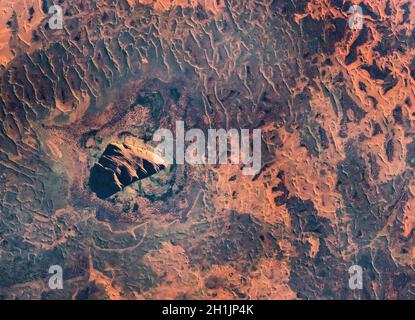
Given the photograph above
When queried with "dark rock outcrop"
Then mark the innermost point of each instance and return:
(119, 166)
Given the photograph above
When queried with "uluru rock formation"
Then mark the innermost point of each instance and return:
(119, 166)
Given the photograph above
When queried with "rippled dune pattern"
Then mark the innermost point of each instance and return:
(336, 108)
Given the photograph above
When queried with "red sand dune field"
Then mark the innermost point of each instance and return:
(81, 188)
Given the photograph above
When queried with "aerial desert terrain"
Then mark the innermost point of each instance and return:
(80, 187)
